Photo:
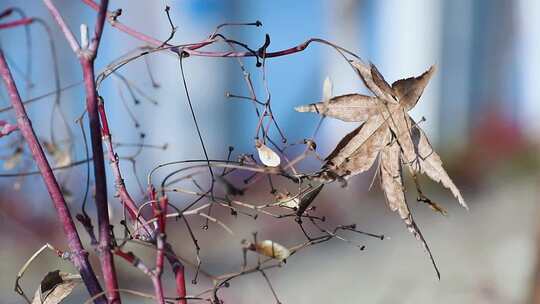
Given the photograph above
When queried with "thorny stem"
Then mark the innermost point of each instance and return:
(79, 255)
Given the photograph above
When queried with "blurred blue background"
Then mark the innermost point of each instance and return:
(482, 113)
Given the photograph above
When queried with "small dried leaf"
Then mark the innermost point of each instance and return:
(307, 198)
(389, 131)
(272, 249)
(288, 201)
(267, 156)
(55, 287)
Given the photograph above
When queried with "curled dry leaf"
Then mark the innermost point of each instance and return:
(387, 131)
(271, 249)
(267, 156)
(55, 287)
(307, 197)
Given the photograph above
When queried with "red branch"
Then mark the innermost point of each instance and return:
(114, 23)
(178, 268)
(193, 50)
(106, 259)
(79, 255)
(12, 24)
(87, 57)
(63, 26)
(135, 261)
(126, 199)
(6, 128)
(179, 274)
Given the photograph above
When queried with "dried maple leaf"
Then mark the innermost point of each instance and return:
(387, 131)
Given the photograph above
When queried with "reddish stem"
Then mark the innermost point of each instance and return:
(120, 26)
(179, 274)
(105, 244)
(79, 255)
(105, 255)
(87, 57)
(6, 128)
(126, 199)
(135, 261)
(155, 276)
(129, 203)
(73, 43)
(160, 242)
(100, 24)
(12, 24)
(158, 286)
(192, 50)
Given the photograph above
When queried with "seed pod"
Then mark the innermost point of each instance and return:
(272, 249)
(267, 156)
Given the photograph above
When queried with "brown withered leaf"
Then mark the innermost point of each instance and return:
(307, 197)
(386, 131)
(55, 287)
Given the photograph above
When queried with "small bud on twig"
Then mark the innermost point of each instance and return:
(84, 36)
